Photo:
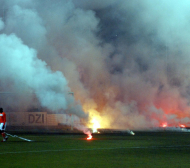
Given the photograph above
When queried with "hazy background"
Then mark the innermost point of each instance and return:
(126, 62)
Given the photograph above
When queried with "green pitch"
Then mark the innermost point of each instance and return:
(146, 150)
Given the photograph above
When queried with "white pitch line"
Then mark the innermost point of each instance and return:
(62, 150)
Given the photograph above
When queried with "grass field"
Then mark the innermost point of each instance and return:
(145, 149)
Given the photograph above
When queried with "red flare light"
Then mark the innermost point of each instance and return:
(89, 137)
(183, 126)
(164, 125)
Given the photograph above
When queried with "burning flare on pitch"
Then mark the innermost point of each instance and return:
(89, 137)
(88, 133)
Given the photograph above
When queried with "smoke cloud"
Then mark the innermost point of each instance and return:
(127, 62)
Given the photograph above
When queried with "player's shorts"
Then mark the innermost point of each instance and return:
(2, 126)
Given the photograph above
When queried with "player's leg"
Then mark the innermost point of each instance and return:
(2, 129)
(3, 135)
(5, 125)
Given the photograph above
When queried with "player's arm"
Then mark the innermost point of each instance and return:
(4, 117)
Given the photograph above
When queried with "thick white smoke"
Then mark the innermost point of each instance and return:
(22, 67)
(127, 62)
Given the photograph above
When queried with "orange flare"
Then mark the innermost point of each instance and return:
(89, 137)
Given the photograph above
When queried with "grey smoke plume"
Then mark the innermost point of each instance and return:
(127, 60)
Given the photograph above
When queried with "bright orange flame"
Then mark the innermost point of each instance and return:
(183, 126)
(89, 137)
(96, 125)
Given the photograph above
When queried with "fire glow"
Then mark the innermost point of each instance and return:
(89, 137)
(96, 125)
(95, 121)
(182, 125)
(164, 125)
